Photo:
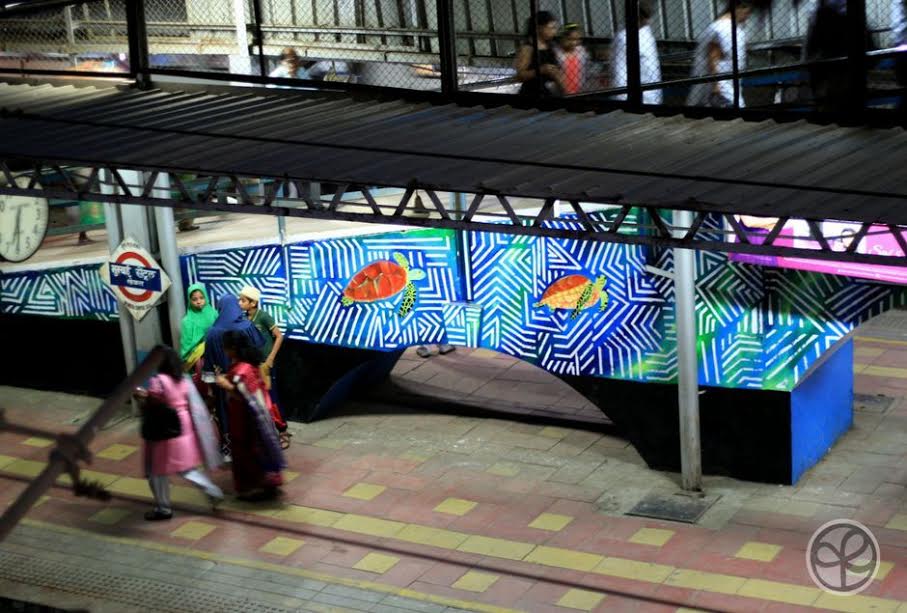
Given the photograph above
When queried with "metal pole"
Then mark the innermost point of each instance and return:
(634, 91)
(138, 43)
(687, 368)
(735, 68)
(856, 56)
(256, 14)
(534, 33)
(70, 26)
(447, 48)
(113, 224)
(170, 258)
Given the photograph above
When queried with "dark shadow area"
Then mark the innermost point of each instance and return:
(74, 356)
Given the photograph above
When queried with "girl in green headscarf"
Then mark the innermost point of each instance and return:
(199, 317)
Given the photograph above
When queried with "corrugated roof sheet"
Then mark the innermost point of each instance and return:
(765, 168)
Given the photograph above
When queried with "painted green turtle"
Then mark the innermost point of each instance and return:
(575, 292)
(384, 279)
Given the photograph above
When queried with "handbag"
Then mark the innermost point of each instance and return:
(160, 421)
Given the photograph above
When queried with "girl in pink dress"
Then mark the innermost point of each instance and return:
(184, 454)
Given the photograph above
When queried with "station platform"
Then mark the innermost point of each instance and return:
(400, 509)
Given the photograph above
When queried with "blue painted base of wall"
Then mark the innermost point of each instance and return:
(821, 408)
(756, 435)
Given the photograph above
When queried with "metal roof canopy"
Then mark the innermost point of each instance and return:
(790, 171)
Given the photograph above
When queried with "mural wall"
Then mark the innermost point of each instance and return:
(572, 307)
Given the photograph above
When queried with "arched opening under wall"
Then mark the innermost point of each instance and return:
(484, 383)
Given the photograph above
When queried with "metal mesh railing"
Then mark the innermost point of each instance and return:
(384, 43)
(89, 37)
(798, 55)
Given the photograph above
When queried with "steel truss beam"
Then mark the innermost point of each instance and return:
(488, 212)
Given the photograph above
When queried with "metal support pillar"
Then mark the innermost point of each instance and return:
(137, 223)
(240, 62)
(113, 223)
(634, 91)
(458, 204)
(170, 258)
(138, 43)
(447, 44)
(70, 25)
(857, 62)
(687, 368)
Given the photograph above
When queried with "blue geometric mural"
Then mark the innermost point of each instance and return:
(759, 328)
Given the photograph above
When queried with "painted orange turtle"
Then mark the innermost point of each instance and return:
(575, 292)
(384, 279)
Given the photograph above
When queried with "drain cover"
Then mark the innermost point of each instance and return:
(673, 507)
(872, 403)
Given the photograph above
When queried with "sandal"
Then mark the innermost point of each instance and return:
(285, 439)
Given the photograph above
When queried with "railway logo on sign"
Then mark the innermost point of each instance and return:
(136, 280)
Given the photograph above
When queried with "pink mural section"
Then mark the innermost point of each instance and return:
(878, 241)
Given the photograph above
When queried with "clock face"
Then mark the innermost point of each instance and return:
(23, 224)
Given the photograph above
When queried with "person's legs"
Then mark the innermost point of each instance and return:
(445, 348)
(160, 489)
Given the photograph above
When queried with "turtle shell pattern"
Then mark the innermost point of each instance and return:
(377, 281)
(566, 292)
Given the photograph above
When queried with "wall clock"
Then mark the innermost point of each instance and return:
(23, 224)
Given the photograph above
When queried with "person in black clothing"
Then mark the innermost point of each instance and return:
(540, 74)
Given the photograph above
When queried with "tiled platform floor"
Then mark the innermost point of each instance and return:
(421, 512)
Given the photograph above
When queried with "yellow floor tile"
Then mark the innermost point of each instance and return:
(474, 581)
(780, 592)
(885, 371)
(434, 537)
(551, 522)
(109, 516)
(869, 352)
(898, 522)
(551, 432)
(376, 563)
(309, 515)
(705, 581)
(330, 443)
(25, 468)
(564, 558)
(193, 530)
(289, 475)
(456, 506)
(496, 548)
(631, 569)
(362, 524)
(883, 341)
(581, 600)
(183, 494)
(364, 491)
(884, 569)
(117, 452)
(761, 552)
(6, 460)
(38, 442)
(281, 546)
(413, 456)
(656, 537)
(104, 479)
(503, 469)
(857, 603)
(130, 486)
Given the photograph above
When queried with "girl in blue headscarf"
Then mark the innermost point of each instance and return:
(230, 318)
